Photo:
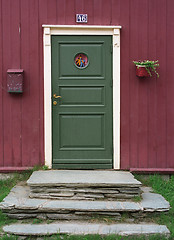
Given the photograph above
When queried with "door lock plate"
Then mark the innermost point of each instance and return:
(55, 103)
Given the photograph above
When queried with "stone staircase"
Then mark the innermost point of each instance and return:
(83, 185)
(84, 196)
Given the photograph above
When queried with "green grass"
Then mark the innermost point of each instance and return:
(5, 187)
(97, 237)
(9, 238)
(137, 199)
(164, 187)
(37, 221)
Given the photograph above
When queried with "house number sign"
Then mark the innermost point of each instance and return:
(81, 18)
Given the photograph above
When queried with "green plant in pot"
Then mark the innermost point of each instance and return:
(146, 67)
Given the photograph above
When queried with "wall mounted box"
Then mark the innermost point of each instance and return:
(15, 80)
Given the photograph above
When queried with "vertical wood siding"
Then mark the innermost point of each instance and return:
(147, 112)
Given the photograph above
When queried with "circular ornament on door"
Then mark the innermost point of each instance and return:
(81, 60)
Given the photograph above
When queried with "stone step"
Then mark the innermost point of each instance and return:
(19, 205)
(85, 228)
(83, 185)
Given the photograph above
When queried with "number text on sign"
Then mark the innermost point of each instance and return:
(81, 18)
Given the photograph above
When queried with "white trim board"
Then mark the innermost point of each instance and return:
(113, 31)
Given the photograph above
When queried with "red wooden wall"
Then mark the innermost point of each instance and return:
(147, 112)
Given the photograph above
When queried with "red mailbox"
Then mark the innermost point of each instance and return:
(15, 80)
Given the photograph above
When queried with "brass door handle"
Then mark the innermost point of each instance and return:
(55, 96)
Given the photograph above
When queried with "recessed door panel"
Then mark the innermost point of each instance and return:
(82, 96)
(81, 131)
(94, 52)
(82, 102)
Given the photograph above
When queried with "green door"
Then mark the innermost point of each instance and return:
(82, 117)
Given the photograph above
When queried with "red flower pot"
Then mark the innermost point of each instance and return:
(141, 71)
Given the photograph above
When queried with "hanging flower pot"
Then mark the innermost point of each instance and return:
(141, 71)
(146, 67)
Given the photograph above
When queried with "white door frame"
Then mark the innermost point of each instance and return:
(113, 31)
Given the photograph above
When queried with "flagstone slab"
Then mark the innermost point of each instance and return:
(19, 205)
(85, 228)
(18, 199)
(81, 178)
(154, 202)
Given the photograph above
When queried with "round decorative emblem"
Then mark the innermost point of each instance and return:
(81, 60)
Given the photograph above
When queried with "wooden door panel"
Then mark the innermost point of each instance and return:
(82, 96)
(81, 131)
(82, 118)
(94, 52)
